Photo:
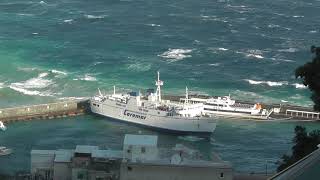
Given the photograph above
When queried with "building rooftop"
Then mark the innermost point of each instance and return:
(145, 140)
(63, 155)
(86, 149)
(43, 152)
(107, 154)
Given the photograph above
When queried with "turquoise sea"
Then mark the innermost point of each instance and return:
(58, 49)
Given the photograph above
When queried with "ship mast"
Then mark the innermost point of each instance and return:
(159, 83)
(186, 101)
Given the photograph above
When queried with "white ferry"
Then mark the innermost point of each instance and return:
(225, 106)
(152, 111)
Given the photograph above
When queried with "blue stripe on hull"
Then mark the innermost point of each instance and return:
(174, 132)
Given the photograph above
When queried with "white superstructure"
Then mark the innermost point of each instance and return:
(154, 112)
(2, 126)
(228, 107)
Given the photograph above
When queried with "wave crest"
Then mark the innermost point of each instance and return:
(86, 77)
(269, 83)
(88, 16)
(176, 54)
(300, 86)
(29, 86)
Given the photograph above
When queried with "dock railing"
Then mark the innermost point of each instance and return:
(302, 114)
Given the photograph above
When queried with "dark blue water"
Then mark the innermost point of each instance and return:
(57, 49)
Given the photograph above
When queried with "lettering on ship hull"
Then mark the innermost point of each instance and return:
(130, 114)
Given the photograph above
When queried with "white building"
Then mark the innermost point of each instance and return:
(139, 160)
(140, 147)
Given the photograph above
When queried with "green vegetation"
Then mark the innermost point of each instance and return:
(310, 73)
(304, 144)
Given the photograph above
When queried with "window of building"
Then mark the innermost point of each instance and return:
(80, 176)
(221, 175)
(129, 168)
(143, 149)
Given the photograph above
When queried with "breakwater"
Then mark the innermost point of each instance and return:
(77, 107)
(44, 111)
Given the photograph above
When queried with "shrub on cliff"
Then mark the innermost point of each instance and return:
(310, 73)
(304, 144)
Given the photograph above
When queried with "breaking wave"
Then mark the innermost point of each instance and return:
(299, 86)
(273, 83)
(215, 64)
(291, 50)
(252, 54)
(68, 21)
(29, 87)
(88, 16)
(154, 25)
(58, 72)
(269, 83)
(176, 54)
(1, 85)
(86, 77)
(35, 83)
(29, 92)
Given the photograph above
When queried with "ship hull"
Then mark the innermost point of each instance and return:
(153, 119)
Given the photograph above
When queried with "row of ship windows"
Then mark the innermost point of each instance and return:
(219, 105)
(96, 104)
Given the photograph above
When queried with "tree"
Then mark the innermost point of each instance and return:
(304, 144)
(310, 73)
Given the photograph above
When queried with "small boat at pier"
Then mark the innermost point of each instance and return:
(2, 126)
(5, 151)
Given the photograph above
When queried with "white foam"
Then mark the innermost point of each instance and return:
(297, 16)
(176, 54)
(35, 83)
(42, 75)
(313, 31)
(29, 86)
(29, 92)
(1, 85)
(26, 69)
(299, 86)
(68, 21)
(291, 50)
(215, 64)
(284, 101)
(154, 25)
(94, 17)
(42, 2)
(97, 63)
(87, 77)
(58, 72)
(269, 83)
(273, 26)
(255, 56)
(223, 49)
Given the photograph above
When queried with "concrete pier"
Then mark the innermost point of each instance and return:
(280, 112)
(44, 111)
